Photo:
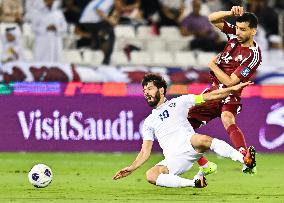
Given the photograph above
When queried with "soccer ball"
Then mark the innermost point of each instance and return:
(40, 176)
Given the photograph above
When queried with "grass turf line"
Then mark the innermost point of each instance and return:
(87, 177)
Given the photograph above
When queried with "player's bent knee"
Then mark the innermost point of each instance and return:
(205, 142)
(153, 173)
(227, 119)
(201, 143)
(151, 176)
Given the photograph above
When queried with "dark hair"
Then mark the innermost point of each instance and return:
(157, 80)
(248, 17)
(9, 29)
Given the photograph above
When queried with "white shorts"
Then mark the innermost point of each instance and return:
(180, 163)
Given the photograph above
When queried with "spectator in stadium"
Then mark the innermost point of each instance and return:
(71, 11)
(273, 58)
(180, 144)
(205, 37)
(96, 26)
(11, 45)
(130, 12)
(149, 8)
(49, 26)
(11, 11)
(81, 4)
(268, 17)
(32, 7)
(171, 12)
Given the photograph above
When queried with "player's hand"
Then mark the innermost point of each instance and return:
(237, 11)
(123, 173)
(241, 85)
(212, 62)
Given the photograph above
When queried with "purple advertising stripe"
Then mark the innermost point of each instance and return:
(98, 123)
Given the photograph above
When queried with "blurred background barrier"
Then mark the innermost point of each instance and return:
(80, 117)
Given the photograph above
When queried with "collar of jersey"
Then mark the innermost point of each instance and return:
(163, 104)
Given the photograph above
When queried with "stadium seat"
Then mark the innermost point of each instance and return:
(145, 32)
(119, 44)
(131, 69)
(73, 56)
(92, 57)
(163, 59)
(28, 55)
(124, 31)
(203, 58)
(87, 74)
(140, 58)
(178, 44)
(185, 59)
(119, 58)
(69, 41)
(112, 74)
(154, 45)
(170, 32)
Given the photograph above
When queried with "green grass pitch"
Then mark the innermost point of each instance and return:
(87, 177)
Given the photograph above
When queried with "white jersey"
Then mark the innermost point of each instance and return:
(90, 15)
(169, 124)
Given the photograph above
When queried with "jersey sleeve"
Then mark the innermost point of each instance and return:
(229, 29)
(187, 101)
(248, 66)
(147, 131)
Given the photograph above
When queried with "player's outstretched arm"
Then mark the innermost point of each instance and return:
(222, 93)
(143, 156)
(217, 18)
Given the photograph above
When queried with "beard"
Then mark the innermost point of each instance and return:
(156, 99)
(243, 40)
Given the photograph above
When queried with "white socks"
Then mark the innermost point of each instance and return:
(222, 148)
(171, 180)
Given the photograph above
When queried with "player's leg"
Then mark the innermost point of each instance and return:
(166, 173)
(228, 117)
(199, 116)
(202, 143)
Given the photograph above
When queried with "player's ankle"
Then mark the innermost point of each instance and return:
(203, 162)
(205, 165)
(243, 151)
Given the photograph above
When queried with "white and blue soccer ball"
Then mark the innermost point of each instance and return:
(40, 175)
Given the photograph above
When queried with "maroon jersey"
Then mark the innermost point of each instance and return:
(242, 61)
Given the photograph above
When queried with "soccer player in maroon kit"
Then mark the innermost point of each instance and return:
(237, 63)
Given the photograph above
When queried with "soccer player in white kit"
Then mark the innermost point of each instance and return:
(180, 144)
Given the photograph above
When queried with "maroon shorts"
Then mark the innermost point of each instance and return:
(201, 114)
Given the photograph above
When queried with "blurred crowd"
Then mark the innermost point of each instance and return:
(94, 21)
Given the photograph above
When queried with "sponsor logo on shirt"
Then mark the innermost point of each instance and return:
(239, 58)
(245, 72)
(172, 105)
(226, 57)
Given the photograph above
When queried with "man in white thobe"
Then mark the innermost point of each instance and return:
(11, 49)
(49, 25)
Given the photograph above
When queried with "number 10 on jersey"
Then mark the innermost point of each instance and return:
(164, 115)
